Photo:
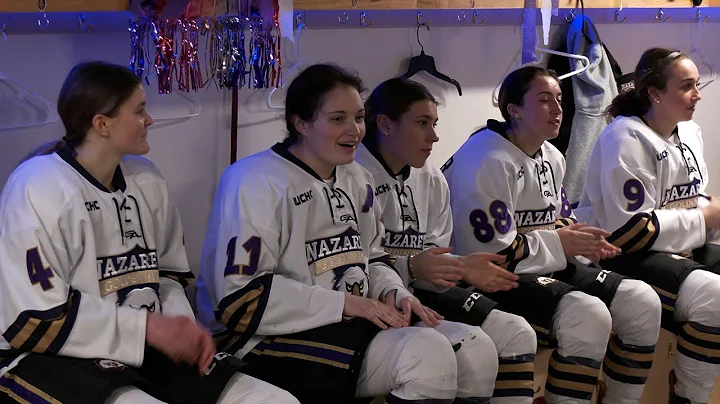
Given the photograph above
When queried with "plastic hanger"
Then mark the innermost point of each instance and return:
(195, 111)
(423, 62)
(584, 59)
(50, 108)
(695, 52)
(300, 61)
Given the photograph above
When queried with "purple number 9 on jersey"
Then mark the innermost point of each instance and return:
(635, 194)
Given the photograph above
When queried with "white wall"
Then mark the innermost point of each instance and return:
(192, 153)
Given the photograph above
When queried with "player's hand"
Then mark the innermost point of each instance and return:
(483, 274)
(381, 314)
(711, 213)
(411, 304)
(180, 339)
(435, 266)
(581, 239)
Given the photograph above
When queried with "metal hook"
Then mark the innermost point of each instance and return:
(420, 19)
(476, 17)
(617, 17)
(659, 16)
(569, 17)
(44, 22)
(81, 20)
(2, 31)
(699, 16)
(462, 17)
(343, 20)
(417, 33)
(362, 21)
(354, 3)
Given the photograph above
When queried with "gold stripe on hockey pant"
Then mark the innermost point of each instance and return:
(564, 221)
(667, 299)
(183, 278)
(542, 334)
(44, 331)
(638, 234)
(628, 363)
(24, 392)
(700, 342)
(311, 351)
(242, 310)
(573, 376)
(515, 377)
(517, 251)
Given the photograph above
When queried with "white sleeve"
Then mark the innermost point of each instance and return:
(490, 226)
(175, 272)
(628, 189)
(41, 311)
(439, 221)
(252, 298)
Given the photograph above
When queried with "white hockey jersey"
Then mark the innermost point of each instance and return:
(644, 188)
(507, 202)
(406, 200)
(81, 264)
(283, 247)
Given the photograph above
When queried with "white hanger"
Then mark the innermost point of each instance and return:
(300, 61)
(51, 109)
(195, 111)
(536, 62)
(696, 53)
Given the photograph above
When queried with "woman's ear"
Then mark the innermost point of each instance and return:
(102, 125)
(300, 125)
(383, 123)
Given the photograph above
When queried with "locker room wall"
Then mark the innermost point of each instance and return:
(192, 153)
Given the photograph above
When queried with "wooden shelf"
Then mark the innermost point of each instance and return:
(29, 6)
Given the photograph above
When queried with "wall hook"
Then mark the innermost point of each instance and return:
(617, 17)
(420, 20)
(476, 17)
(569, 17)
(363, 22)
(462, 17)
(354, 3)
(299, 21)
(83, 27)
(699, 18)
(344, 18)
(659, 16)
(2, 31)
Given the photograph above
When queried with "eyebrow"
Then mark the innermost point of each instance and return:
(428, 117)
(547, 92)
(340, 112)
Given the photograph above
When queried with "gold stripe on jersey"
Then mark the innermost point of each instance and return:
(112, 285)
(517, 251)
(44, 331)
(241, 311)
(528, 229)
(638, 234)
(185, 279)
(402, 252)
(565, 221)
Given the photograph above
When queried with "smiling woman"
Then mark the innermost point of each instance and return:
(294, 279)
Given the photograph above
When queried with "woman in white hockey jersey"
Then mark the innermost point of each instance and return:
(400, 119)
(93, 267)
(646, 183)
(294, 278)
(507, 198)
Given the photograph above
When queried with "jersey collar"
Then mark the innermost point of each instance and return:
(501, 129)
(118, 180)
(405, 171)
(281, 148)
